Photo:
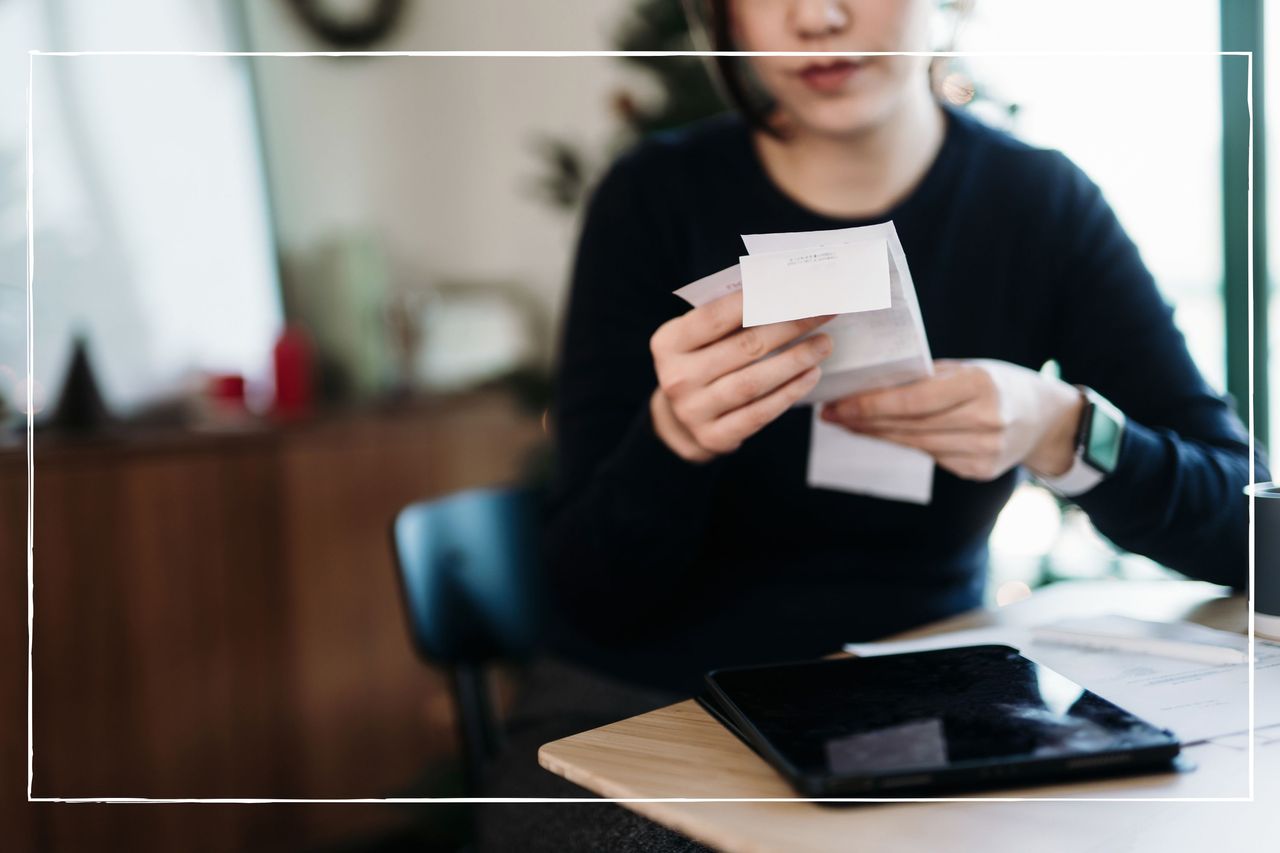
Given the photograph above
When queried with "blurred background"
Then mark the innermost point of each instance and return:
(278, 298)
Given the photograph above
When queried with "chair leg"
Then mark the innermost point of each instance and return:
(477, 721)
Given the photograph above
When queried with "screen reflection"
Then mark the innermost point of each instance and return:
(935, 710)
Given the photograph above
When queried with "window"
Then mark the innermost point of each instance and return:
(151, 230)
(1148, 130)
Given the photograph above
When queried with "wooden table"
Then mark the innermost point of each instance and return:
(680, 752)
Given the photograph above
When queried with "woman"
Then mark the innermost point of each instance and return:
(683, 536)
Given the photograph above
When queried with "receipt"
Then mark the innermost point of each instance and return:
(872, 347)
(712, 287)
(851, 462)
(796, 283)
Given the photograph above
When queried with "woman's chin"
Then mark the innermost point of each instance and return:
(844, 117)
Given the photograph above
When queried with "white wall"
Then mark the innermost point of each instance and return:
(435, 154)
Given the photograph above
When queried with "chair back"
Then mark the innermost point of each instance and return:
(468, 571)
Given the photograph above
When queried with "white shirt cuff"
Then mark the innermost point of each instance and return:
(1079, 478)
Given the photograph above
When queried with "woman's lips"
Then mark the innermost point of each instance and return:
(829, 76)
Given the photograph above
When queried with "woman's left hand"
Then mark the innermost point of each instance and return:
(977, 418)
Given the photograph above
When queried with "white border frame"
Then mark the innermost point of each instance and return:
(31, 56)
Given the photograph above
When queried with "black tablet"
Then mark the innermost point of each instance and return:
(930, 722)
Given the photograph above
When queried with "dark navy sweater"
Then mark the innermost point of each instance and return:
(662, 569)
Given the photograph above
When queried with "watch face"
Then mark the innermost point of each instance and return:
(1102, 444)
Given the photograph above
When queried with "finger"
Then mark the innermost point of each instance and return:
(918, 399)
(704, 324)
(677, 435)
(970, 416)
(747, 345)
(960, 444)
(756, 380)
(726, 433)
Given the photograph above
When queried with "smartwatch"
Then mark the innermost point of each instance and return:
(1098, 439)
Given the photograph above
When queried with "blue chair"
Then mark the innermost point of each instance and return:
(468, 574)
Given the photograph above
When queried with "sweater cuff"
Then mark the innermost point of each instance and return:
(1142, 474)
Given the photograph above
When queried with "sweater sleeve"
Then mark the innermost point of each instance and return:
(626, 514)
(1176, 495)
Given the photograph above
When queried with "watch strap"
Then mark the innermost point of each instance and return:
(1082, 475)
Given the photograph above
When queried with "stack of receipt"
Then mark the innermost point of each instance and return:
(861, 276)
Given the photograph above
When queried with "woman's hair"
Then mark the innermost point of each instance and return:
(733, 72)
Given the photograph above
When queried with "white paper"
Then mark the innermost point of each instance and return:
(711, 287)
(1140, 636)
(875, 349)
(998, 635)
(1265, 736)
(797, 283)
(870, 349)
(849, 462)
(1198, 702)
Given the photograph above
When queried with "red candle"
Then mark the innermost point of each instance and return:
(293, 362)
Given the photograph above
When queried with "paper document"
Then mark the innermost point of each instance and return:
(850, 462)
(1196, 701)
(1181, 640)
(1262, 736)
(796, 283)
(871, 347)
(712, 287)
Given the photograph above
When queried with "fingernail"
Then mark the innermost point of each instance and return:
(822, 344)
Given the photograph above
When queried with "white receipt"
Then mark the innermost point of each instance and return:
(874, 348)
(849, 462)
(712, 287)
(796, 283)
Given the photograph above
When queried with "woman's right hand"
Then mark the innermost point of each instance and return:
(715, 387)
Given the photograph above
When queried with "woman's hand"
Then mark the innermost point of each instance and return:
(716, 388)
(977, 419)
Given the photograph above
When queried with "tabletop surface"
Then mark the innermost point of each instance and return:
(679, 752)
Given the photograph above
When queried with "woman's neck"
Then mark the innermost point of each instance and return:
(858, 176)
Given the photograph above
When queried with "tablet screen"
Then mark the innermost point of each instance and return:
(928, 710)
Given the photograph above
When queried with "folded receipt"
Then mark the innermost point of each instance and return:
(860, 275)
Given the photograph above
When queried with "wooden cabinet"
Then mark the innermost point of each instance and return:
(218, 616)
